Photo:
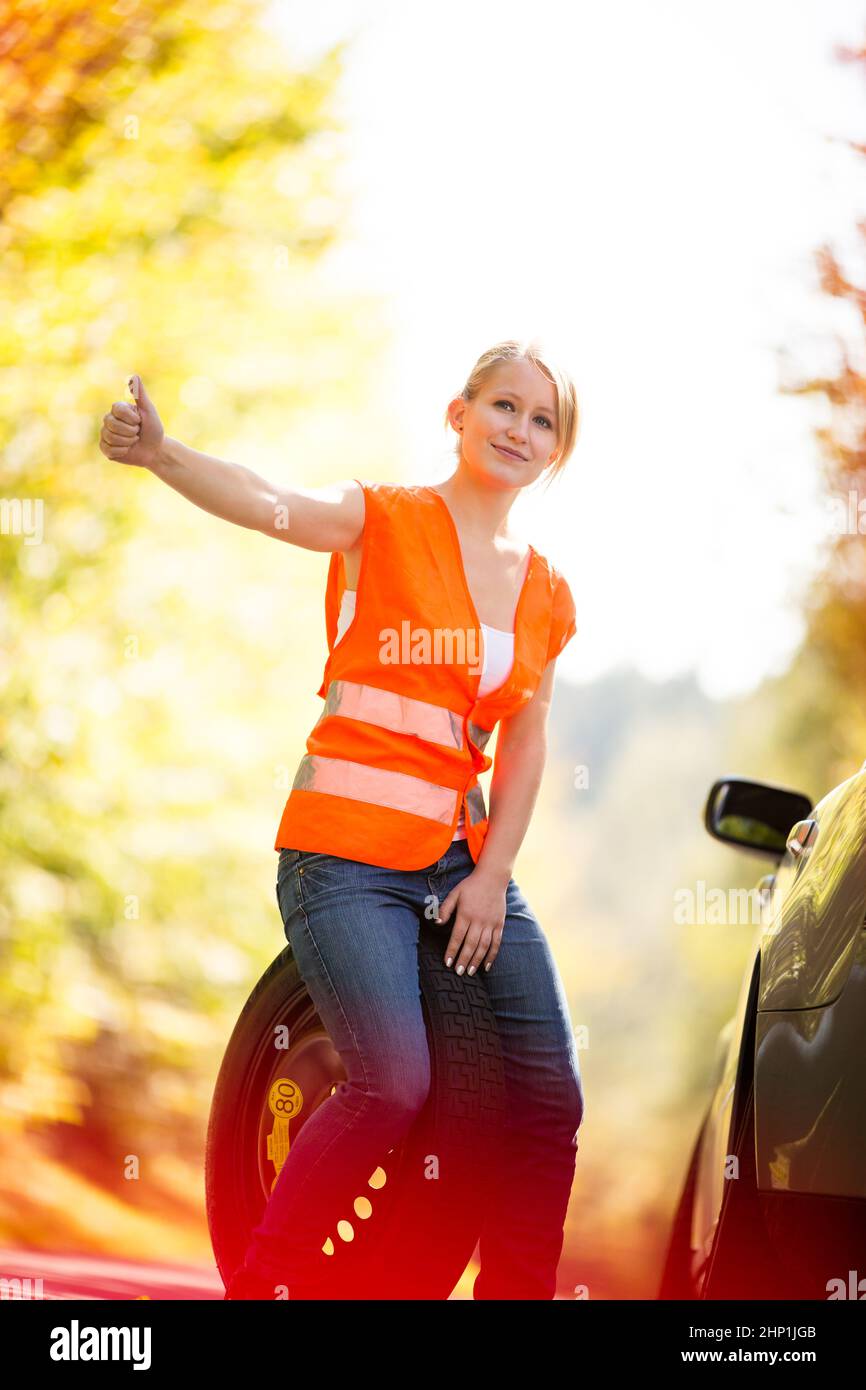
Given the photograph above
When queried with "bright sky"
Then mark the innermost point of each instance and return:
(642, 183)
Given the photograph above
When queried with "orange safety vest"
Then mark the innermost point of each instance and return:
(400, 741)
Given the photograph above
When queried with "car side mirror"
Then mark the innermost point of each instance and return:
(754, 815)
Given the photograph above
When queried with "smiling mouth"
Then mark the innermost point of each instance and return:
(508, 453)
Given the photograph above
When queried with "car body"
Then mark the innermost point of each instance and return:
(774, 1203)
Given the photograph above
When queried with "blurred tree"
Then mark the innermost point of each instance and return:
(169, 194)
(830, 670)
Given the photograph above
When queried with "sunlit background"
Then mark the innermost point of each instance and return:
(645, 185)
(301, 226)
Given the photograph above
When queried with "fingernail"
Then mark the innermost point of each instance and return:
(460, 970)
(449, 960)
(471, 970)
(488, 965)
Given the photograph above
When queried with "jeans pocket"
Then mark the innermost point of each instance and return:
(287, 863)
(287, 886)
(323, 873)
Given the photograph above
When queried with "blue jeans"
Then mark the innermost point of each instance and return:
(353, 929)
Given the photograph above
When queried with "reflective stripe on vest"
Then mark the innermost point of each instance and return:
(377, 786)
(475, 805)
(361, 782)
(399, 713)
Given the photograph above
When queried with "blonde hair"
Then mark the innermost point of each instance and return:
(567, 412)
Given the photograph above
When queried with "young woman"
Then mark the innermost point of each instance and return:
(441, 625)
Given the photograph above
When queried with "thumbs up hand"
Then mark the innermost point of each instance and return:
(132, 433)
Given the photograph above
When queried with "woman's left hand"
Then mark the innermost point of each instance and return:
(478, 921)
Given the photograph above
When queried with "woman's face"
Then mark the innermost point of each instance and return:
(508, 432)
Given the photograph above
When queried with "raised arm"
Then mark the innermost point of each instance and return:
(328, 518)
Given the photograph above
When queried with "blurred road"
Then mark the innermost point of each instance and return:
(106, 1277)
(102, 1277)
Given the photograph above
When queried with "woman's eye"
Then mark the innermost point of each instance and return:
(538, 417)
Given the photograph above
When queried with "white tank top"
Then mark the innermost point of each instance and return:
(496, 662)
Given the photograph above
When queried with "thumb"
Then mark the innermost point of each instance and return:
(136, 386)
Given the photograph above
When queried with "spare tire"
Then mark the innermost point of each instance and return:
(415, 1225)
